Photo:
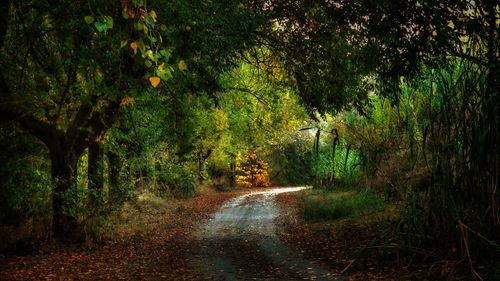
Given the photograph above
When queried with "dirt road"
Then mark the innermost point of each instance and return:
(239, 242)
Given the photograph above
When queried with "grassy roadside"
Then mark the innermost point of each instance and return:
(355, 234)
(332, 227)
(323, 205)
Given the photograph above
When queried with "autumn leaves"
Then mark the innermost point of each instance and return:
(254, 172)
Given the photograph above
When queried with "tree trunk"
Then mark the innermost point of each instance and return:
(64, 165)
(316, 142)
(232, 177)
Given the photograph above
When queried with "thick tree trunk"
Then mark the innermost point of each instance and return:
(64, 165)
(95, 172)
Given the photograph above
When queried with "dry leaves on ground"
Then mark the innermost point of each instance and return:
(160, 253)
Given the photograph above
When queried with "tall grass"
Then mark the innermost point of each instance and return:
(444, 132)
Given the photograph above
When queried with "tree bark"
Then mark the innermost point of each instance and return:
(64, 167)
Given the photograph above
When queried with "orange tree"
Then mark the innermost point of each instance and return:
(254, 172)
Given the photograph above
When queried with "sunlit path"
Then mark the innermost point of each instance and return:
(240, 243)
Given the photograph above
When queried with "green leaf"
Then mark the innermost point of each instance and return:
(150, 54)
(100, 26)
(150, 20)
(164, 75)
(156, 57)
(108, 21)
(105, 24)
(89, 19)
(165, 54)
(142, 46)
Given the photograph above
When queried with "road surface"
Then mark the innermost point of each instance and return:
(240, 242)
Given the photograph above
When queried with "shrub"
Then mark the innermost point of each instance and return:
(177, 180)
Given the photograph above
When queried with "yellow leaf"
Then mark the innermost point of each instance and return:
(161, 66)
(182, 65)
(155, 81)
(134, 47)
(153, 15)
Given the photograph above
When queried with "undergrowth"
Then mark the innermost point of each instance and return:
(321, 205)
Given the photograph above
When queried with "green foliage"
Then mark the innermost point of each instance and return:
(258, 114)
(25, 177)
(433, 151)
(344, 166)
(458, 149)
(319, 205)
(176, 180)
(295, 162)
(239, 76)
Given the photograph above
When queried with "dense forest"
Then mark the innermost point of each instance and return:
(104, 103)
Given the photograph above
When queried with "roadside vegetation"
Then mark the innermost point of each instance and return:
(321, 205)
(381, 106)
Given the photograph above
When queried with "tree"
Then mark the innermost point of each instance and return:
(254, 172)
(335, 51)
(64, 77)
(261, 113)
(185, 120)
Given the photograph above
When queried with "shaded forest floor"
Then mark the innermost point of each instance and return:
(159, 252)
(351, 247)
